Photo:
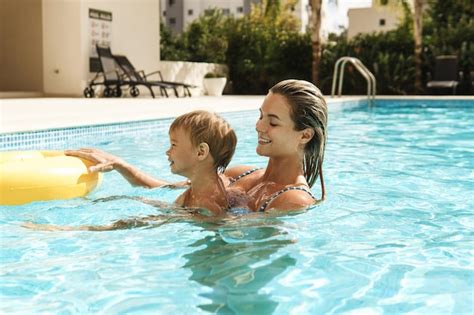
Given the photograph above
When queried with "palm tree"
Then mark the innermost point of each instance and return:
(316, 38)
(417, 36)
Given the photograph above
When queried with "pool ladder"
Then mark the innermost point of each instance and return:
(339, 66)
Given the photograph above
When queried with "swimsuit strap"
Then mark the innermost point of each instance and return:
(278, 193)
(234, 179)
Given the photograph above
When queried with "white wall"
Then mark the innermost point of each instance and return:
(135, 31)
(366, 20)
(62, 56)
(190, 72)
(66, 39)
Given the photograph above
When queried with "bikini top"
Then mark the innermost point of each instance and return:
(234, 179)
(274, 195)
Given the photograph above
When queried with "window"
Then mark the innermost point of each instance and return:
(240, 9)
(172, 21)
(190, 12)
(226, 11)
(170, 2)
(382, 22)
(164, 13)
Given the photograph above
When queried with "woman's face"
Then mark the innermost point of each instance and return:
(276, 134)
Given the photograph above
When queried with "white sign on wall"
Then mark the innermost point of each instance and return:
(100, 32)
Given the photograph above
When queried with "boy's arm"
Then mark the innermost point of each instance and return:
(138, 178)
(106, 162)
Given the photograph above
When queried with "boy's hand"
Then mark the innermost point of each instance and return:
(103, 161)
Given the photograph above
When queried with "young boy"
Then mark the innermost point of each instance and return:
(201, 146)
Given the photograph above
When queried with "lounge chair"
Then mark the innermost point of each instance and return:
(114, 74)
(109, 76)
(130, 71)
(446, 74)
(140, 78)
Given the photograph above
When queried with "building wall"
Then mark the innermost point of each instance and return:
(248, 5)
(368, 20)
(199, 7)
(62, 53)
(178, 14)
(302, 13)
(66, 44)
(174, 11)
(44, 44)
(21, 55)
(183, 12)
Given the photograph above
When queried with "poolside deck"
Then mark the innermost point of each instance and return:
(29, 114)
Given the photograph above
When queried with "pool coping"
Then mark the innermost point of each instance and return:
(35, 114)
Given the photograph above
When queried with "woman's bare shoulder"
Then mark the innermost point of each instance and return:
(291, 200)
(235, 171)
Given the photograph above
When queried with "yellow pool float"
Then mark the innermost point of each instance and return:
(27, 176)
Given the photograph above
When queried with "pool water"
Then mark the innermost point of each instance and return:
(395, 234)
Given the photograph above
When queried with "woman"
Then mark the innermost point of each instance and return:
(292, 133)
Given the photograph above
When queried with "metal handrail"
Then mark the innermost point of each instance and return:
(371, 82)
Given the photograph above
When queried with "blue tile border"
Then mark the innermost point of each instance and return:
(67, 138)
(74, 137)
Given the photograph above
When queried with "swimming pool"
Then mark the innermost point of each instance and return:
(394, 236)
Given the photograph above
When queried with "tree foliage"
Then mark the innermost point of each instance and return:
(449, 29)
(205, 40)
(266, 46)
(260, 47)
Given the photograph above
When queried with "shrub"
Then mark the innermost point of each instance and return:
(262, 49)
(206, 38)
(172, 47)
(211, 75)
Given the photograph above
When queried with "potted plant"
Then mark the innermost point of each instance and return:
(214, 83)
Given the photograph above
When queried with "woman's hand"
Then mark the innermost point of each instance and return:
(103, 161)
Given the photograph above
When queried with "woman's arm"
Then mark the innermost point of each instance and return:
(106, 162)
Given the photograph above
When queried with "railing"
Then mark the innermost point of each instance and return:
(339, 69)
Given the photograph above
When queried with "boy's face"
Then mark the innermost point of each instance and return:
(182, 155)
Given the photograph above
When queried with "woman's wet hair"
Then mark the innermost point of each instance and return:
(308, 110)
(203, 126)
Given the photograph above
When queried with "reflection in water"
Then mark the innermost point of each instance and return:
(236, 263)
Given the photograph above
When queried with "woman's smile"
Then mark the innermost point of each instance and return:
(263, 141)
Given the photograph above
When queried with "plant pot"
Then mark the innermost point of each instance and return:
(214, 86)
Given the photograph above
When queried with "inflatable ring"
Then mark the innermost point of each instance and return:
(43, 175)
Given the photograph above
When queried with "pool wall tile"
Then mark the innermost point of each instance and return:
(74, 137)
(56, 139)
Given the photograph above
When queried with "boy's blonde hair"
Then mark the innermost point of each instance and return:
(203, 126)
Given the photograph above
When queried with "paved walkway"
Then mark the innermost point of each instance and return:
(27, 114)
